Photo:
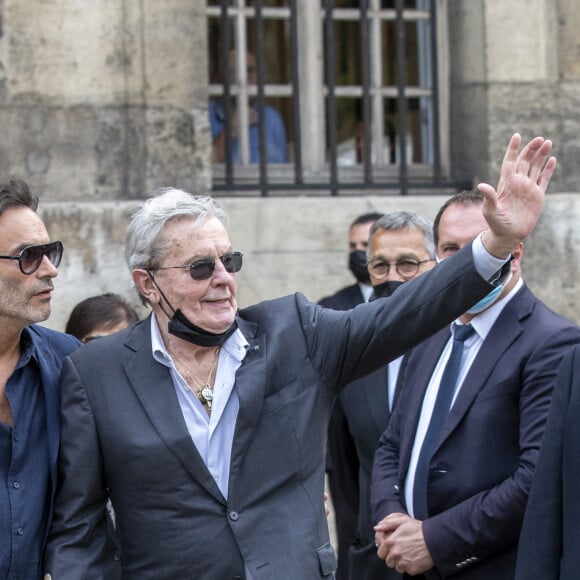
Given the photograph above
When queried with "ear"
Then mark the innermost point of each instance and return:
(517, 257)
(145, 286)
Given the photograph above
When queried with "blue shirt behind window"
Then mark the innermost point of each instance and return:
(275, 134)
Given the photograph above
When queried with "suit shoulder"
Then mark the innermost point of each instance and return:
(53, 339)
(278, 309)
(346, 298)
(547, 320)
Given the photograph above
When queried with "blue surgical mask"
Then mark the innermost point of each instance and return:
(488, 300)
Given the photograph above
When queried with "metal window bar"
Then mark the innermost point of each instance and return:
(371, 90)
(378, 106)
(242, 108)
(435, 94)
(331, 97)
(259, 28)
(225, 66)
(295, 83)
(401, 99)
(368, 140)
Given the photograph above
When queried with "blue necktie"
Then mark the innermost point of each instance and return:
(440, 412)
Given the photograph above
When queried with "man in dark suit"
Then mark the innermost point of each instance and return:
(358, 239)
(206, 426)
(30, 363)
(342, 467)
(550, 537)
(458, 510)
(400, 248)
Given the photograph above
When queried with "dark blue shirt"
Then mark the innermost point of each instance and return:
(24, 471)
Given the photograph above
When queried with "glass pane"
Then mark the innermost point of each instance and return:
(351, 135)
(418, 129)
(389, 52)
(278, 113)
(347, 65)
(392, 4)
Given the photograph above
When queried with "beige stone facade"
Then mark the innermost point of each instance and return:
(102, 102)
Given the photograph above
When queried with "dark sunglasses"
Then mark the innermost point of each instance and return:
(31, 257)
(204, 268)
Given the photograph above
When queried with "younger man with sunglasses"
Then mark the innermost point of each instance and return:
(30, 363)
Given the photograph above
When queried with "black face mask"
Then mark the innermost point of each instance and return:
(385, 289)
(357, 264)
(181, 327)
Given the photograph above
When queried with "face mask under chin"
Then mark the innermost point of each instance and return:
(183, 328)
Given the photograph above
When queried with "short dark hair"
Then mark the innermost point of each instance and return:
(16, 193)
(466, 197)
(366, 218)
(105, 310)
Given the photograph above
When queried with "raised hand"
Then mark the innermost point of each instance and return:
(512, 210)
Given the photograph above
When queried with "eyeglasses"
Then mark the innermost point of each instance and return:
(405, 268)
(204, 268)
(31, 257)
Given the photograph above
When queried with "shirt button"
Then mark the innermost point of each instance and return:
(234, 516)
(16, 485)
(20, 531)
(16, 437)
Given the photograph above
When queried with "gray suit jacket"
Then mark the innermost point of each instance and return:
(124, 435)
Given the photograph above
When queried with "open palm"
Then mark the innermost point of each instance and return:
(512, 210)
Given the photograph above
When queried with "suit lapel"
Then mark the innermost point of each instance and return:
(251, 389)
(402, 370)
(375, 391)
(151, 382)
(422, 363)
(505, 330)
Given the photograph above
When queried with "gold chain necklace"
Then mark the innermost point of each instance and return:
(203, 391)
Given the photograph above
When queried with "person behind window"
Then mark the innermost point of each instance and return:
(99, 316)
(273, 123)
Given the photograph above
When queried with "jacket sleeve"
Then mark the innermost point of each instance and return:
(345, 346)
(386, 491)
(78, 544)
(540, 547)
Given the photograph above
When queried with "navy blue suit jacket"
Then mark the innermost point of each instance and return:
(550, 538)
(481, 472)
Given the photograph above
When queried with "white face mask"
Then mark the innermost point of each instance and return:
(488, 300)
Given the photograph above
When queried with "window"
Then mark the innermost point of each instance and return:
(341, 95)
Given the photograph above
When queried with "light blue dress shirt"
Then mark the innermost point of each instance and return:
(212, 435)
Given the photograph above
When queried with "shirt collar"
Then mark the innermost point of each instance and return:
(236, 345)
(27, 349)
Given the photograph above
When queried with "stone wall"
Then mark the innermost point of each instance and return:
(104, 100)
(513, 67)
(292, 245)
